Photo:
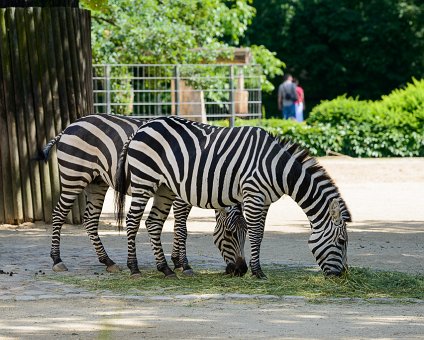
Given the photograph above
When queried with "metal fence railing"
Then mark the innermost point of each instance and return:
(201, 92)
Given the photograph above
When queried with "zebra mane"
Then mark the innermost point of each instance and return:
(312, 166)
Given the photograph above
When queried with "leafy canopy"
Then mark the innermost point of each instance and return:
(166, 31)
(174, 31)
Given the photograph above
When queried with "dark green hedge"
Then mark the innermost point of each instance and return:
(390, 127)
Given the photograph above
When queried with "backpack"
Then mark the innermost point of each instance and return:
(289, 93)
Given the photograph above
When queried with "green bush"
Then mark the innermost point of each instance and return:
(400, 109)
(390, 127)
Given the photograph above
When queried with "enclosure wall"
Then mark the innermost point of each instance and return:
(45, 84)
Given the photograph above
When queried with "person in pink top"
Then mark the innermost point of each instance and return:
(300, 102)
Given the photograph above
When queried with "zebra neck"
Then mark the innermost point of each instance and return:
(307, 187)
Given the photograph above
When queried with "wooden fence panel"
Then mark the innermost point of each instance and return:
(45, 84)
(18, 58)
(29, 121)
(10, 109)
(41, 173)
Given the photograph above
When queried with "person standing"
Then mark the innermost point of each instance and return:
(287, 96)
(300, 103)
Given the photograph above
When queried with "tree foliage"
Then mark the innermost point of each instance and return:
(362, 48)
(166, 31)
(174, 31)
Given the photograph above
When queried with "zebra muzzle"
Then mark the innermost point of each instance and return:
(240, 267)
(334, 273)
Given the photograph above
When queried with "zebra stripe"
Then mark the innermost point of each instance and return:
(229, 167)
(87, 152)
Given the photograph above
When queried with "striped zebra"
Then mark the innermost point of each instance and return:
(219, 167)
(87, 152)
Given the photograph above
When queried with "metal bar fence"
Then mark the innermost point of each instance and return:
(201, 92)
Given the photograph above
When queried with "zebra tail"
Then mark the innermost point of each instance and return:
(44, 153)
(121, 183)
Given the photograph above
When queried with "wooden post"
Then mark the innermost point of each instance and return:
(45, 84)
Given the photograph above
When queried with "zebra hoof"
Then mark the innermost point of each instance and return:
(188, 272)
(135, 276)
(60, 267)
(114, 268)
(260, 275)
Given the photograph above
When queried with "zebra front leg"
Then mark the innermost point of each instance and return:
(255, 212)
(162, 204)
(179, 251)
(138, 204)
(95, 194)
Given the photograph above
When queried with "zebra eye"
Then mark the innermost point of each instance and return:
(342, 241)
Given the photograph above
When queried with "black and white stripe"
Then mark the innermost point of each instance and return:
(87, 153)
(212, 167)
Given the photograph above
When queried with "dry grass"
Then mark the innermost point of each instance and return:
(357, 283)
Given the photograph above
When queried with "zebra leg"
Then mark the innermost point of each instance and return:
(179, 251)
(255, 213)
(95, 193)
(138, 204)
(160, 210)
(61, 210)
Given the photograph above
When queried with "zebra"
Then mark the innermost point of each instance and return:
(87, 152)
(215, 168)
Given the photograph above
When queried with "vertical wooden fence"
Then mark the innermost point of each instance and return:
(45, 84)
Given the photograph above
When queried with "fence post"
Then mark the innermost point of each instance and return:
(177, 89)
(108, 97)
(232, 97)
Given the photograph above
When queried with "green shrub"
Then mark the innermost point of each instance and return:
(390, 127)
(400, 109)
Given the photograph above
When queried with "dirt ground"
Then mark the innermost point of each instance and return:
(385, 197)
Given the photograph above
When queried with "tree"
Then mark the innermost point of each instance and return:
(363, 48)
(174, 31)
(166, 31)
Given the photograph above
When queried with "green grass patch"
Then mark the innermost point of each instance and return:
(282, 281)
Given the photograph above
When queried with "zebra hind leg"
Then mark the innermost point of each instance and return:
(138, 204)
(95, 193)
(61, 210)
(160, 210)
(179, 255)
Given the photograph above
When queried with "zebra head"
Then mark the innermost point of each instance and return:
(230, 236)
(328, 240)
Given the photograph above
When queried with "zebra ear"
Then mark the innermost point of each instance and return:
(335, 212)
